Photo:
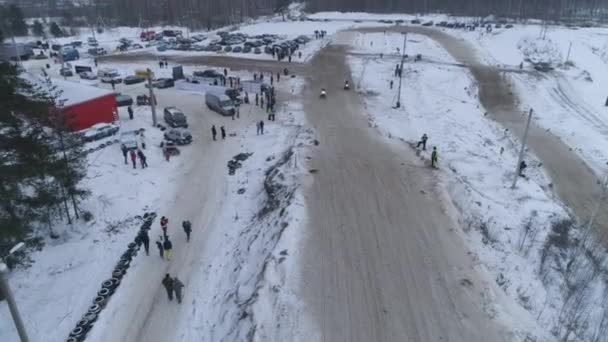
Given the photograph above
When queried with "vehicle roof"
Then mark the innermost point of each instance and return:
(173, 110)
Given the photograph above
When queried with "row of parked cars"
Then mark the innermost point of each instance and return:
(235, 42)
(461, 25)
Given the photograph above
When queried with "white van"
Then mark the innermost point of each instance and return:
(109, 75)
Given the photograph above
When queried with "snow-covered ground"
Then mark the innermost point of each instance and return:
(570, 100)
(60, 285)
(506, 228)
(256, 255)
(245, 278)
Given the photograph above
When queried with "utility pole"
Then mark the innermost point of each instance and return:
(152, 98)
(521, 152)
(6, 292)
(568, 56)
(18, 54)
(398, 104)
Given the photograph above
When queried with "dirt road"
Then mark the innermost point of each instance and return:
(575, 183)
(381, 262)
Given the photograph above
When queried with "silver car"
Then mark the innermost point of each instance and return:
(178, 136)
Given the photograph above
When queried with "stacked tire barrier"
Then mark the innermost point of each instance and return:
(109, 286)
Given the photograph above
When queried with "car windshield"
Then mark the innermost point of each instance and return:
(177, 116)
(226, 103)
(113, 74)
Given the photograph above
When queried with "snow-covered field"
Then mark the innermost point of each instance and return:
(506, 228)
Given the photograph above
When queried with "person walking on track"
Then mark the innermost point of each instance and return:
(434, 157)
(161, 250)
(144, 239)
(164, 222)
(187, 229)
(178, 287)
(423, 142)
(168, 284)
(167, 246)
(133, 159)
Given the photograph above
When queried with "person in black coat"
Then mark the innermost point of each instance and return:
(124, 152)
(145, 240)
(168, 247)
(187, 229)
(223, 132)
(168, 284)
(130, 110)
(161, 250)
(213, 132)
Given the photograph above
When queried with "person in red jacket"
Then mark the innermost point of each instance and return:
(164, 222)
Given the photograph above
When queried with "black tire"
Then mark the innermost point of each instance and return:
(104, 292)
(101, 301)
(118, 273)
(108, 284)
(115, 282)
(77, 332)
(91, 317)
(95, 309)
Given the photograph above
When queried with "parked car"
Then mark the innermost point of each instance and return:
(209, 73)
(428, 23)
(132, 79)
(129, 139)
(228, 48)
(40, 56)
(66, 72)
(416, 21)
(219, 103)
(87, 75)
(109, 75)
(179, 136)
(123, 100)
(97, 51)
(100, 131)
(175, 117)
(237, 49)
(163, 83)
(247, 49)
(257, 51)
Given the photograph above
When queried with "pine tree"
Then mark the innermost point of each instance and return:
(42, 164)
(282, 6)
(16, 23)
(56, 30)
(38, 29)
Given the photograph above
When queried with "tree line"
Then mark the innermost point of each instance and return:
(540, 9)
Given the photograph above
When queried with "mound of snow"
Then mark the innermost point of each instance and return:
(538, 50)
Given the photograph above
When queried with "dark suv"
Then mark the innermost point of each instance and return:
(175, 118)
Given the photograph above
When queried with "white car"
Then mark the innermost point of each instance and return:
(100, 131)
(129, 140)
(109, 75)
(87, 75)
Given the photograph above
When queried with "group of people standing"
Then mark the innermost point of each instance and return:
(134, 156)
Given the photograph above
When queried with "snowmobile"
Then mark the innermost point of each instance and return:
(323, 94)
(346, 85)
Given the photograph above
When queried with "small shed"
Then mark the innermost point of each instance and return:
(85, 105)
